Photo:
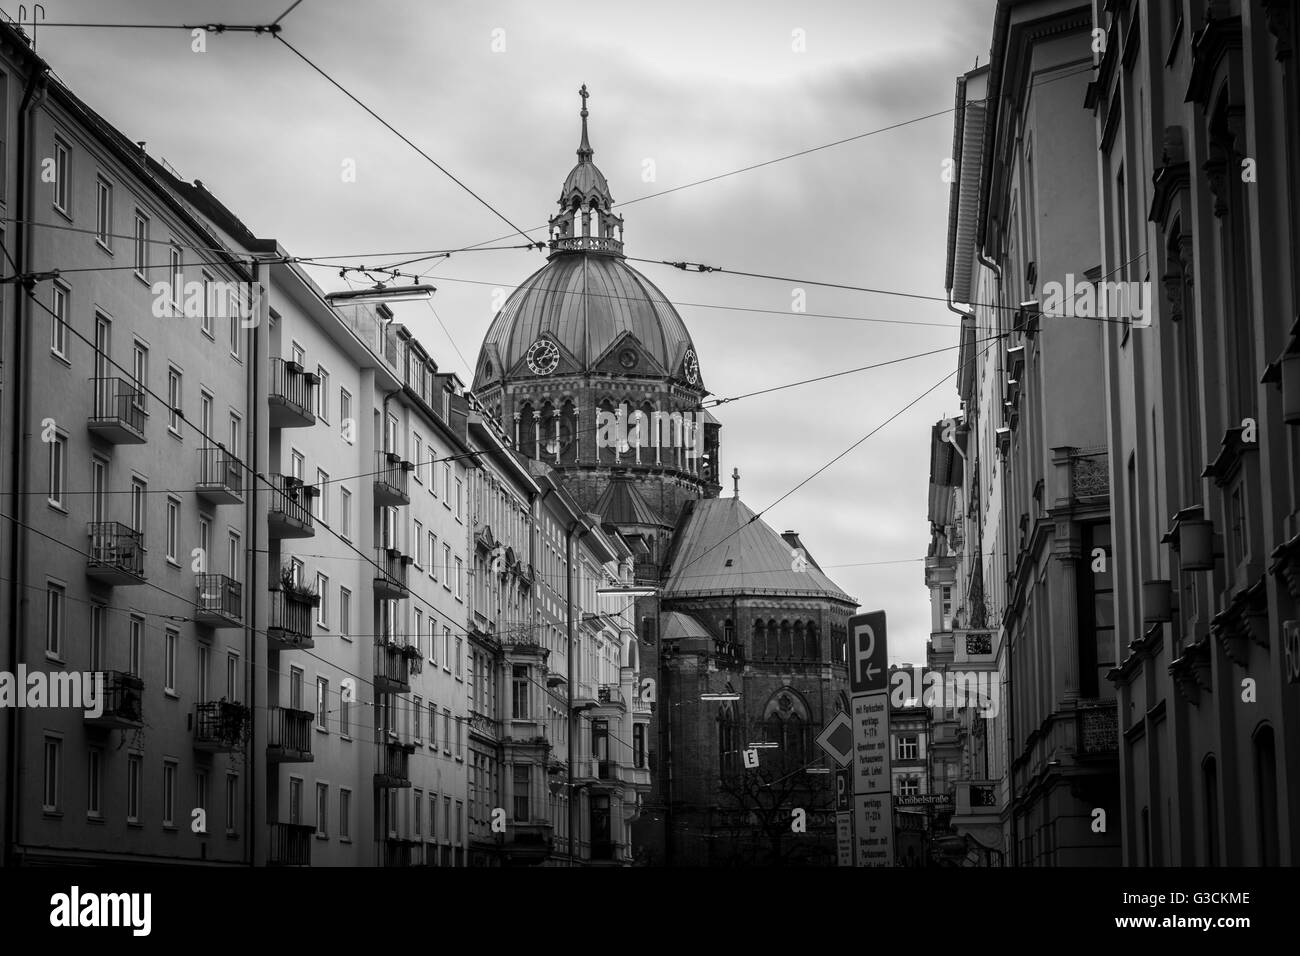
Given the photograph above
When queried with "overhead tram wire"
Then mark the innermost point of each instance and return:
(389, 126)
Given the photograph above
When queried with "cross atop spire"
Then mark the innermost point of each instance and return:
(585, 151)
(735, 479)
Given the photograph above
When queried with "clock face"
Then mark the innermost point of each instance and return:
(543, 357)
(691, 367)
(627, 358)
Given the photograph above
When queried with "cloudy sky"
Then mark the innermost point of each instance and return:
(489, 90)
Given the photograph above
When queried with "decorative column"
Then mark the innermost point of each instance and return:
(516, 417)
(658, 422)
(555, 415)
(1065, 656)
(537, 433)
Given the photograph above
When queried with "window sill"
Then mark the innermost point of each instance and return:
(61, 211)
(143, 278)
(321, 730)
(135, 824)
(321, 836)
(232, 835)
(59, 356)
(55, 506)
(55, 659)
(105, 247)
(208, 333)
(49, 814)
(175, 433)
(170, 828)
(167, 692)
(173, 562)
(95, 818)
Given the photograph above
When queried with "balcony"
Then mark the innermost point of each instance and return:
(401, 852)
(288, 735)
(116, 553)
(609, 698)
(291, 621)
(483, 726)
(122, 696)
(585, 696)
(119, 412)
(289, 514)
(394, 766)
(392, 479)
(221, 477)
(220, 726)
(220, 601)
(292, 395)
(586, 770)
(977, 798)
(391, 575)
(289, 844)
(392, 669)
(529, 843)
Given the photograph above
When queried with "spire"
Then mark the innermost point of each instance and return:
(585, 151)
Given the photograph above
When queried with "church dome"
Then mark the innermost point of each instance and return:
(587, 310)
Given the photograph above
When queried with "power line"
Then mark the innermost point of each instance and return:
(402, 137)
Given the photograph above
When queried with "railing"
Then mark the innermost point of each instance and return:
(392, 668)
(979, 642)
(392, 571)
(115, 547)
(485, 725)
(220, 724)
(976, 797)
(122, 696)
(119, 402)
(1098, 729)
(588, 244)
(289, 730)
(293, 385)
(400, 852)
(611, 694)
(289, 498)
(290, 844)
(392, 477)
(220, 470)
(291, 612)
(219, 595)
(394, 766)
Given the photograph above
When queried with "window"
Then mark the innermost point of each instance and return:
(94, 775)
(446, 648)
(58, 469)
(297, 464)
(295, 688)
(433, 726)
(169, 794)
(417, 716)
(319, 504)
(139, 496)
(176, 262)
(204, 666)
(909, 786)
(141, 244)
(134, 645)
(346, 425)
(54, 611)
(907, 748)
(174, 409)
(98, 488)
(446, 730)
(945, 598)
(59, 321)
(322, 810)
(322, 703)
(418, 458)
(522, 781)
(419, 626)
(53, 775)
(460, 499)
(97, 612)
(323, 589)
(418, 538)
(432, 550)
(234, 328)
(345, 612)
(446, 483)
(446, 566)
(62, 177)
(446, 819)
(345, 513)
(460, 815)
(295, 800)
(169, 661)
(234, 555)
(232, 677)
(460, 738)
(345, 815)
(104, 212)
(173, 527)
(460, 574)
(233, 443)
(133, 762)
(323, 395)
(201, 791)
(638, 745)
(232, 801)
(417, 804)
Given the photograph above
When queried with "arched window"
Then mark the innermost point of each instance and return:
(527, 435)
(773, 632)
(785, 650)
(798, 650)
(1210, 785)
(728, 742)
(568, 447)
(814, 650)
(1266, 796)
(785, 723)
(760, 640)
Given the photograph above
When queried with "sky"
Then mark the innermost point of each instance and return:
(680, 92)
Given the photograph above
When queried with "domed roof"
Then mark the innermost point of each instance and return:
(587, 310)
(599, 313)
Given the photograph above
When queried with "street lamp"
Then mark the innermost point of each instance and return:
(381, 293)
(720, 696)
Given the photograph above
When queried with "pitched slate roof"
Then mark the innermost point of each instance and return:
(722, 547)
(622, 504)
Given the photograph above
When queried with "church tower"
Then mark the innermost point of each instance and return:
(590, 369)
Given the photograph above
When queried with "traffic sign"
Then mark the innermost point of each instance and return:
(873, 825)
(844, 789)
(869, 670)
(873, 807)
(751, 758)
(837, 739)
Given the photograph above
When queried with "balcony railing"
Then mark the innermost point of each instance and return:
(221, 477)
(401, 852)
(611, 696)
(292, 395)
(391, 575)
(290, 844)
(394, 765)
(291, 620)
(977, 797)
(122, 697)
(392, 669)
(220, 726)
(119, 412)
(116, 553)
(1098, 730)
(392, 479)
(288, 735)
(220, 600)
(484, 725)
(289, 513)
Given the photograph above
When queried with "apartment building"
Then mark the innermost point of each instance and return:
(1035, 460)
(1197, 119)
(129, 408)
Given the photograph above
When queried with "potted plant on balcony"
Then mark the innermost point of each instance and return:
(300, 592)
(414, 658)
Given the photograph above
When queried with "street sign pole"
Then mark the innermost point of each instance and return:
(873, 808)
